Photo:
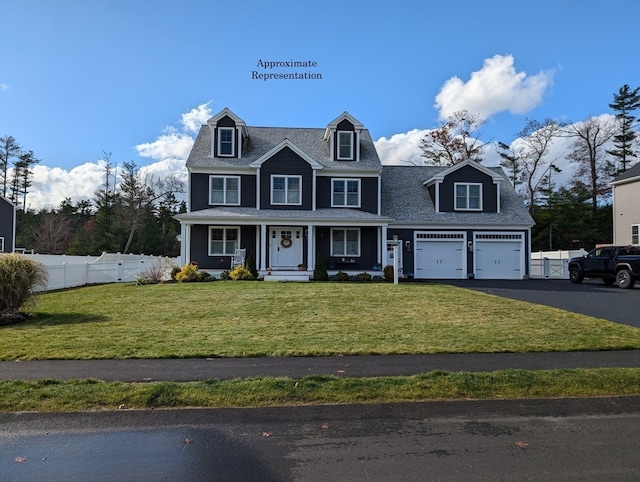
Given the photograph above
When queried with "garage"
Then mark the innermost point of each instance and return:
(499, 255)
(440, 255)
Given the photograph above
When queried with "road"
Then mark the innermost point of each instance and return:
(593, 439)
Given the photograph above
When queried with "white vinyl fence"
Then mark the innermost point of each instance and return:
(70, 271)
(553, 264)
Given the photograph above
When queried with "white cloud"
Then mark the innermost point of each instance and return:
(193, 119)
(174, 145)
(401, 149)
(4, 86)
(496, 87)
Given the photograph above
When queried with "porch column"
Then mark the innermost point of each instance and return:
(185, 244)
(383, 246)
(311, 247)
(263, 247)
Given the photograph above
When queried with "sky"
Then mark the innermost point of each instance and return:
(137, 78)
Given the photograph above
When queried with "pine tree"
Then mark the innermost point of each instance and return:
(624, 103)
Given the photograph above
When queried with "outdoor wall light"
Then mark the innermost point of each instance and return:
(470, 246)
(407, 245)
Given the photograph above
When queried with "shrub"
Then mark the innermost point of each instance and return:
(342, 276)
(387, 272)
(364, 277)
(190, 273)
(19, 278)
(241, 273)
(320, 270)
(251, 265)
(161, 270)
(225, 275)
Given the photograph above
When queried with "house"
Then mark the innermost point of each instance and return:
(289, 195)
(626, 207)
(7, 225)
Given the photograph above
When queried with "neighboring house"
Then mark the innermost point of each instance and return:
(7, 225)
(288, 195)
(626, 207)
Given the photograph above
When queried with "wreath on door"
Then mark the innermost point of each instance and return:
(286, 242)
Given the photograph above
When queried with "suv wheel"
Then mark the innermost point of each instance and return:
(575, 275)
(624, 279)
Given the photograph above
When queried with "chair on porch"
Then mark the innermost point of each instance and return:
(238, 258)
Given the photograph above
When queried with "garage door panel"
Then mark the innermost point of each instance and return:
(498, 259)
(439, 259)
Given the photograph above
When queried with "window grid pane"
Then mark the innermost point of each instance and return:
(344, 145)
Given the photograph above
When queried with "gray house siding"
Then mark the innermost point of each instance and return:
(287, 163)
(200, 191)
(368, 192)
(7, 224)
(468, 174)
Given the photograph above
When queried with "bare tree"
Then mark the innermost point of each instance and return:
(588, 154)
(9, 148)
(54, 233)
(455, 141)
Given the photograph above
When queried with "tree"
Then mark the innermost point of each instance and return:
(528, 160)
(54, 233)
(455, 141)
(9, 148)
(22, 174)
(593, 168)
(624, 103)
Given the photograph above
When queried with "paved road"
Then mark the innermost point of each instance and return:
(591, 298)
(555, 440)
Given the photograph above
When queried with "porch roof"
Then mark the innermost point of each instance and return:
(319, 217)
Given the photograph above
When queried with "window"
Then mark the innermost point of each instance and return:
(226, 141)
(345, 242)
(1, 245)
(345, 145)
(286, 190)
(635, 234)
(468, 197)
(346, 192)
(223, 241)
(224, 190)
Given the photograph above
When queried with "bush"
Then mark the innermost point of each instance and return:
(251, 265)
(387, 272)
(241, 273)
(191, 273)
(19, 278)
(342, 276)
(161, 270)
(320, 270)
(364, 277)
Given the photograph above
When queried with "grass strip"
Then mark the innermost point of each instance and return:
(241, 319)
(83, 395)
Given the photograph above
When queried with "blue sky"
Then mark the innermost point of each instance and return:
(132, 77)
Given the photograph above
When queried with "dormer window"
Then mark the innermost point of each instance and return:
(226, 144)
(468, 197)
(345, 146)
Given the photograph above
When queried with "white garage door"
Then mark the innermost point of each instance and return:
(440, 256)
(499, 256)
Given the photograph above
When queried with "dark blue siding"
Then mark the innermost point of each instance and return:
(469, 174)
(368, 196)
(6, 224)
(200, 247)
(200, 191)
(286, 162)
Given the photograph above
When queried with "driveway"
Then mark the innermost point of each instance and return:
(591, 298)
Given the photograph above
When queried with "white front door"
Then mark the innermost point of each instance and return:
(285, 247)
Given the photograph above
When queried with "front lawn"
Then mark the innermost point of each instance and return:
(238, 319)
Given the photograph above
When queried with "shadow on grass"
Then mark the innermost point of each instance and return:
(47, 319)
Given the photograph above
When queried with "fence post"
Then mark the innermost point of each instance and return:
(119, 275)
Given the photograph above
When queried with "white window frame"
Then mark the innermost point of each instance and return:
(1, 244)
(348, 134)
(345, 182)
(233, 141)
(334, 253)
(224, 229)
(466, 207)
(286, 190)
(635, 238)
(225, 190)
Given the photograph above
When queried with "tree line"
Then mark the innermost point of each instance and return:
(576, 215)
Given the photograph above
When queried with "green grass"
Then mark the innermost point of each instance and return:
(81, 395)
(239, 319)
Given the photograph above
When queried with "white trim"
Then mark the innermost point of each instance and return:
(637, 226)
(501, 237)
(286, 190)
(286, 143)
(224, 240)
(225, 190)
(219, 131)
(345, 229)
(350, 135)
(345, 180)
(467, 197)
(1, 244)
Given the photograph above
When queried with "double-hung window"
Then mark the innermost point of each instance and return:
(468, 197)
(223, 241)
(345, 145)
(345, 242)
(224, 190)
(226, 144)
(635, 234)
(286, 190)
(345, 193)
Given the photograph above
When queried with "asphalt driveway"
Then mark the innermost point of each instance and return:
(591, 298)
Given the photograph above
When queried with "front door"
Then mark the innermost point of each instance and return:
(285, 247)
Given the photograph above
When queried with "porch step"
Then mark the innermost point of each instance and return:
(298, 276)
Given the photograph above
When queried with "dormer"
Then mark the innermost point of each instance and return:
(343, 136)
(466, 187)
(228, 133)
